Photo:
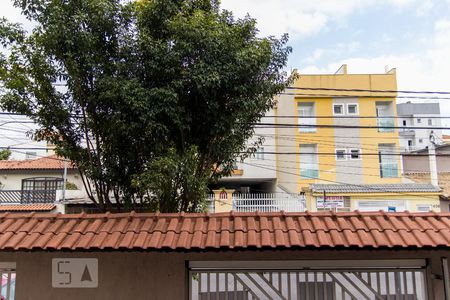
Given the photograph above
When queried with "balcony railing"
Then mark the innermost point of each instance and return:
(26, 197)
(270, 202)
(386, 124)
(309, 173)
(389, 170)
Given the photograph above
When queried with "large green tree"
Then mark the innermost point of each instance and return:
(151, 99)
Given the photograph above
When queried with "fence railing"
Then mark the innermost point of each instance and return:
(389, 170)
(24, 196)
(269, 202)
(385, 124)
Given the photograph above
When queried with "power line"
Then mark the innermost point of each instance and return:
(360, 154)
(286, 125)
(321, 95)
(294, 137)
(353, 117)
(365, 90)
(338, 182)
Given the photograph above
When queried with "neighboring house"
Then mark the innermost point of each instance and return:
(444, 184)
(344, 137)
(37, 181)
(226, 256)
(413, 197)
(424, 115)
(253, 184)
(416, 167)
(418, 161)
(446, 139)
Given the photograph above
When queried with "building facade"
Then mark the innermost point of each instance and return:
(343, 132)
(421, 116)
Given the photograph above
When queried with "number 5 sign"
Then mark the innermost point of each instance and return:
(74, 272)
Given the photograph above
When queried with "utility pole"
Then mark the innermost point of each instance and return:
(64, 181)
(432, 160)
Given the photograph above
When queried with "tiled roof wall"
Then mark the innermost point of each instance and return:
(227, 231)
(28, 207)
(375, 188)
(52, 162)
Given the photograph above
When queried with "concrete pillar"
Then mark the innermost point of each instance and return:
(223, 200)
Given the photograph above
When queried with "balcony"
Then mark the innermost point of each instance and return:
(407, 133)
(27, 196)
(309, 173)
(270, 202)
(389, 170)
(386, 124)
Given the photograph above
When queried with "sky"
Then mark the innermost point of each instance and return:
(368, 35)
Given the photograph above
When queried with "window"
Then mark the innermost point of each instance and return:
(306, 117)
(341, 154)
(352, 109)
(430, 122)
(385, 119)
(40, 189)
(338, 109)
(8, 276)
(388, 161)
(423, 207)
(386, 205)
(404, 122)
(309, 168)
(419, 121)
(420, 141)
(260, 153)
(355, 154)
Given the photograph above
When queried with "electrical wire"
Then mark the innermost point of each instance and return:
(350, 184)
(371, 91)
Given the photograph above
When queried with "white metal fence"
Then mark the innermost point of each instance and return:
(268, 202)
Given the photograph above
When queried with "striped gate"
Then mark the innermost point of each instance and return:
(331, 284)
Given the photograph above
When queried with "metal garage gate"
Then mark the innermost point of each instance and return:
(329, 284)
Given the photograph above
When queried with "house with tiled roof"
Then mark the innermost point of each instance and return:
(36, 184)
(325, 255)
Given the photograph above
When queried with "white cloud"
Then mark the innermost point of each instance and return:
(14, 15)
(424, 70)
(299, 18)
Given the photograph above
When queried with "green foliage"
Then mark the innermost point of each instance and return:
(71, 186)
(146, 83)
(5, 154)
(171, 181)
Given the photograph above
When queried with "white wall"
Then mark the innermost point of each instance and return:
(419, 134)
(13, 181)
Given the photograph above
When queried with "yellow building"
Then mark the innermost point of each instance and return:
(340, 129)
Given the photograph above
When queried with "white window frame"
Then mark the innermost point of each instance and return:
(424, 207)
(345, 154)
(259, 154)
(350, 154)
(343, 109)
(357, 109)
(430, 122)
(311, 128)
(342, 105)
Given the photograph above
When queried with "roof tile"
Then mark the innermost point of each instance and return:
(51, 162)
(223, 230)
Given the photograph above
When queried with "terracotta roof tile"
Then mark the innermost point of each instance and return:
(47, 207)
(51, 162)
(36, 231)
